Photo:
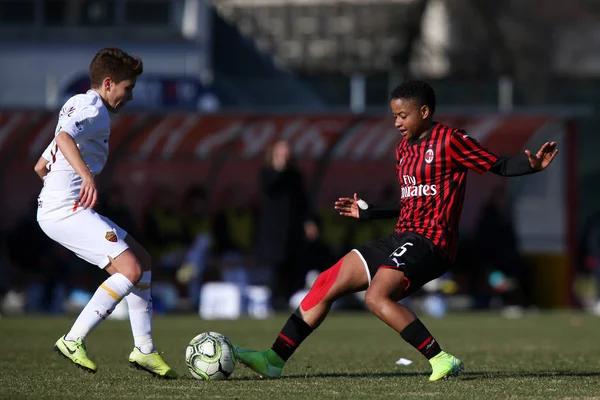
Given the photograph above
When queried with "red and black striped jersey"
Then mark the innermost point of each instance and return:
(432, 172)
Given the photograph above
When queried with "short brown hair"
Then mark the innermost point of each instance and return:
(114, 63)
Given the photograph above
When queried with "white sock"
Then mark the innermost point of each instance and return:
(139, 303)
(102, 303)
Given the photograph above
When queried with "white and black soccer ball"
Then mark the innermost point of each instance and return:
(210, 356)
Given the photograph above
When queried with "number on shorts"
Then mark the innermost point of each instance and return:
(402, 248)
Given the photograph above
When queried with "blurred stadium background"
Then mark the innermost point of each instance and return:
(224, 79)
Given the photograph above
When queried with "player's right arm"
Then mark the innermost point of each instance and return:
(357, 208)
(41, 167)
(75, 129)
(88, 195)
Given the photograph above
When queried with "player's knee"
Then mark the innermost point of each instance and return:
(322, 284)
(128, 265)
(133, 272)
(321, 290)
(316, 293)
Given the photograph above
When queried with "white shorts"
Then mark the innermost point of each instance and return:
(89, 235)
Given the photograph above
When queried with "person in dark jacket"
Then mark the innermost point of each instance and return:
(284, 222)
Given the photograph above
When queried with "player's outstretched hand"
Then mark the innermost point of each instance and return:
(348, 207)
(88, 195)
(543, 157)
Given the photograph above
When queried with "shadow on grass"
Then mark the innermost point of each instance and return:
(526, 374)
(463, 376)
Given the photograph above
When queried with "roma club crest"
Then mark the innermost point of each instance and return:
(111, 236)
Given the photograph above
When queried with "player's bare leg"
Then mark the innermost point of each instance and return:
(125, 273)
(346, 276)
(139, 302)
(387, 288)
(349, 277)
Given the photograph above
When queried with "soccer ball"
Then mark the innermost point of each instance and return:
(209, 356)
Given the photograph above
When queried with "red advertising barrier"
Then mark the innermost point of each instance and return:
(339, 154)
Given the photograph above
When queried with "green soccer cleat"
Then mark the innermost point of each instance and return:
(75, 351)
(265, 363)
(444, 366)
(152, 363)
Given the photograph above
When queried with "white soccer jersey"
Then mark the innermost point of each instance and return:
(87, 120)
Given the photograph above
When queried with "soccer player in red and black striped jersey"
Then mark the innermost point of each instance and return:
(432, 161)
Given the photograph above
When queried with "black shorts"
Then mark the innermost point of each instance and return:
(409, 252)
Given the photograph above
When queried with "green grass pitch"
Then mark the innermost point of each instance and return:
(543, 356)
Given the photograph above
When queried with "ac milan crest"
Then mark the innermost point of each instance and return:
(429, 156)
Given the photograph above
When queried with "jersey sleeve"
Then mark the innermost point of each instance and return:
(467, 151)
(47, 154)
(80, 123)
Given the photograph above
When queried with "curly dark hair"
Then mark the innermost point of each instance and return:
(418, 91)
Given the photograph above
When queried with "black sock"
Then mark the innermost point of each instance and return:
(419, 337)
(291, 336)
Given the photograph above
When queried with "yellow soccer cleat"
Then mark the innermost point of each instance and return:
(75, 351)
(152, 363)
(444, 366)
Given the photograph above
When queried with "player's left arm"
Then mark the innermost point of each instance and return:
(468, 152)
(528, 164)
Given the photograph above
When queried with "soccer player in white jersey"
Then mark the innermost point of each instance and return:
(65, 212)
